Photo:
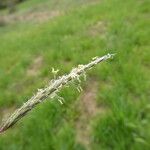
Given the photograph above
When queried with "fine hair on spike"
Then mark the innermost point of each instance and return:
(52, 89)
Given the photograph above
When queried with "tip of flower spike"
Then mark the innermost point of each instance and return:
(111, 55)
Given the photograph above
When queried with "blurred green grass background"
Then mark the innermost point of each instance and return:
(77, 32)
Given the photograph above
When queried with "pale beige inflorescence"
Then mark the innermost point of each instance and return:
(52, 89)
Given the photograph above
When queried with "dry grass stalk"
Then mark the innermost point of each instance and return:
(51, 90)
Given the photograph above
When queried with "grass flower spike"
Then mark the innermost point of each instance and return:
(52, 89)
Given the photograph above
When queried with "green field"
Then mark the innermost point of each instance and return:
(113, 110)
